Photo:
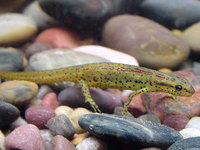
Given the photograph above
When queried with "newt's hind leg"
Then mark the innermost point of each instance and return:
(88, 98)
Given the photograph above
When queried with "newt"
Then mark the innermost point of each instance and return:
(110, 75)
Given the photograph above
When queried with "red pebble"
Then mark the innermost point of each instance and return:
(25, 137)
(177, 122)
(58, 38)
(50, 100)
(39, 115)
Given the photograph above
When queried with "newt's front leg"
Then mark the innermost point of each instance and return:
(130, 97)
(88, 98)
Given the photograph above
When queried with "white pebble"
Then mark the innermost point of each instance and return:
(194, 122)
(190, 132)
(91, 143)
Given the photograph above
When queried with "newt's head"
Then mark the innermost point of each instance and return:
(176, 85)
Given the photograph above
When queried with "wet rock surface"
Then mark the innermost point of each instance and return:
(137, 132)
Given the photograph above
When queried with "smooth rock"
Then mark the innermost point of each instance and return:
(35, 48)
(109, 54)
(175, 14)
(18, 92)
(176, 122)
(16, 28)
(47, 137)
(194, 122)
(2, 141)
(151, 44)
(39, 115)
(17, 123)
(190, 132)
(11, 59)
(106, 101)
(119, 111)
(61, 143)
(65, 110)
(150, 117)
(92, 143)
(8, 114)
(50, 100)
(60, 58)
(74, 117)
(186, 144)
(43, 90)
(34, 11)
(190, 36)
(26, 137)
(63, 38)
(129, 130)
(185, 106)
(79, 138)
(61, 125)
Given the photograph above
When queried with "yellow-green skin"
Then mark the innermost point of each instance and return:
(110, 75)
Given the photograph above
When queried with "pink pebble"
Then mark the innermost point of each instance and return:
(61, 143)
(39, 115)
(50, 100)
(58, 38)
(25, 137)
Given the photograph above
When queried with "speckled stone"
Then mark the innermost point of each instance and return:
(65, 110)
(186, 144)
(50, 100)
(47, 137)
(26, 137)
(129, 130)
(18, 92)
(150, 117)
(61, 143)
(8, 114)
(39, 115)
(11, 59)
(61, 125)
(43, 90)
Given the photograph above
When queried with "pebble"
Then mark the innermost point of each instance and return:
(61, 125)
(79, 138)
(2, 141)
(18, 92)
(189, 132)
(47, 137)
(119, 111)
(43, 90)
(60, 58)
(25, 137)
(150, 117)
(176, 122)
(36, 47)
(65, 110)
(50, 100)
(22, 27)
(189, 143)
(190, 36)
(106, 101)
(125, 33)
(109, 54)
(63, 38)
(11, 59)
(39, 115)
(92, 143)
(176, 14)
(18, 122)
(74, 117)
(34, 11)
(194, 122)
(61, 143)
(10, 5)
(8, 114)
(129, 130)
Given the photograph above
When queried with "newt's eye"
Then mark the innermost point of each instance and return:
(178, 87)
